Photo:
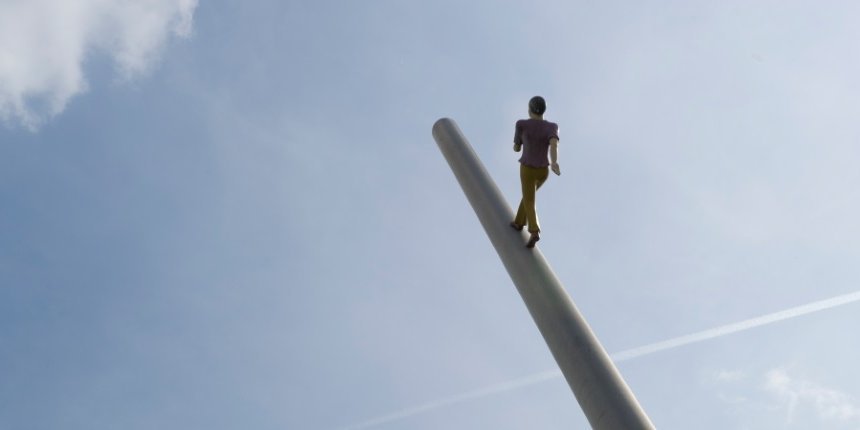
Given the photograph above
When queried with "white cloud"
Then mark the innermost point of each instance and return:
(45, 43)
(729, 376)
(795, 393)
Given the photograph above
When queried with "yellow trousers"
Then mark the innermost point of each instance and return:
(531, 178)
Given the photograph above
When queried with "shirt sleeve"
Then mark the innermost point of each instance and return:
(518, 139)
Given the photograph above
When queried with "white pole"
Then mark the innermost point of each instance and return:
(599, 388)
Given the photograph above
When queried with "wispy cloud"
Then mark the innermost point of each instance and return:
(795, 393)
(738, 326)
(827, 402)
(458, 398)
(44, 45)
(729, 376)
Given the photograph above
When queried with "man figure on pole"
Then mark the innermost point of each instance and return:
(535, 136)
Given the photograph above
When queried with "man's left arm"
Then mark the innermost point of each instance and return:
(518, 140)
(553, 155)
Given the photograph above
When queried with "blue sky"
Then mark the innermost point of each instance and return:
(233, 214)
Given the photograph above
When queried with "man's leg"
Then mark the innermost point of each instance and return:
(525, 184)
(520, 220)
(542, 177)
(536, 177)
(529, 182)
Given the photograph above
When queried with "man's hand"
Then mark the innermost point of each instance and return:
(556, 169)
(517, 147)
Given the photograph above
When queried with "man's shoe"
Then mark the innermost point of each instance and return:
(516, 226)
(533, 240)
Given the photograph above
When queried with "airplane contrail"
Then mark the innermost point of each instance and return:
(458, 398)
(737, 327)
(624, 355)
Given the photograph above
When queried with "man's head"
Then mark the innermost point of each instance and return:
(537, 105)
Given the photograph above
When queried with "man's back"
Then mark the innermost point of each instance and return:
(534, 135)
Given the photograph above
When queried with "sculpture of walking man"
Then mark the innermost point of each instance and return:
(535, 136)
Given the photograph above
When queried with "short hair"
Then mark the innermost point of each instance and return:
(537, 105)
